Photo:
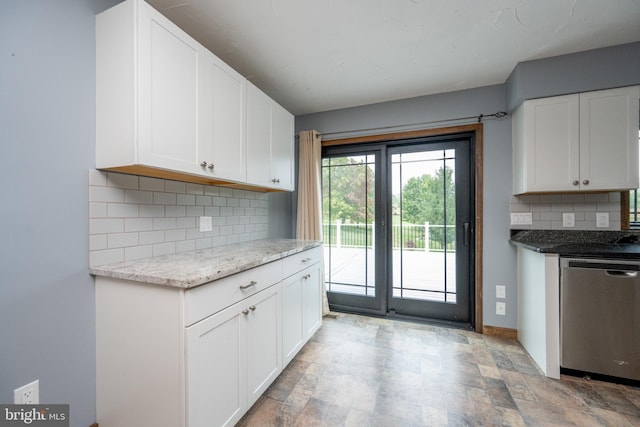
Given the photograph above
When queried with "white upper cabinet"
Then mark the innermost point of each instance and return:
(168, 107)
(579, 142)
(224, 142)
(269, 142)
(147, 90)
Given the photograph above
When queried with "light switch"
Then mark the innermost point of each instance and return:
(602, 219)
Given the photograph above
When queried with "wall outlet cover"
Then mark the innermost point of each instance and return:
(206, 223)
(501, 291)
(501, 308)
(521, 218)
(602, 219)
(568, 219)
(28, 394)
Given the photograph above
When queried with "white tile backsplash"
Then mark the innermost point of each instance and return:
(133, 217)
(547, 210)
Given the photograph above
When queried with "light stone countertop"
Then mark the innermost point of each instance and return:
(190, 269)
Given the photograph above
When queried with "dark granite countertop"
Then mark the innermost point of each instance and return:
(600, 244)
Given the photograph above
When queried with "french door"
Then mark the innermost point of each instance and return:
(398, 227)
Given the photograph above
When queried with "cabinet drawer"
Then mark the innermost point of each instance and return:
(294, 263)
(208, 299)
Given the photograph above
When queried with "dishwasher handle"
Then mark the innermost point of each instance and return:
(621, 274)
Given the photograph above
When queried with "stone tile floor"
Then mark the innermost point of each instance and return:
(362, 371)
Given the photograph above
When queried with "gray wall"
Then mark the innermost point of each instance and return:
(579, 72)
(47, 134)
(499, 255)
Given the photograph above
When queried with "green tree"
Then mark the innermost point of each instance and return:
(347, 190)
(424, 198)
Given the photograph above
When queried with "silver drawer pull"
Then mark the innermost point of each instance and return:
(251, 283)
(252, 308)
(245, 312)
(307, 259)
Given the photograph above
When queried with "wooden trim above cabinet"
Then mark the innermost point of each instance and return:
(477, 128)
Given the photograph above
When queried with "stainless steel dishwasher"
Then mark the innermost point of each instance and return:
(600, 317)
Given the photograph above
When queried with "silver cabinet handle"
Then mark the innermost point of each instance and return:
(306, 276)
(307, 259)
(251, 283)
(245, 311)
(585, 182)
(203, 164)
(275, 180)
(210, 166)
(252, 308)
(576, 182)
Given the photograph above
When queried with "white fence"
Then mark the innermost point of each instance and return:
(426, 237)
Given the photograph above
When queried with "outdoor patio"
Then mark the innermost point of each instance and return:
(421, 276)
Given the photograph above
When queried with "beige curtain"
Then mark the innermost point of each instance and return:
(309, 220)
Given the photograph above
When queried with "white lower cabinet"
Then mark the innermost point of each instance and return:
(232, 357)
(200, 357)
(301, 302)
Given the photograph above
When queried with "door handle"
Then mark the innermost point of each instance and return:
(465, 234)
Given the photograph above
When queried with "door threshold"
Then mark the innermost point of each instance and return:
(405, 318)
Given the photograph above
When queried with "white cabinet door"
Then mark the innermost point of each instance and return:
(282, 148)
(232, 357)
(224, 143)
(546, 145)
(169, 87)
(264, 352)
(258, 136)
(301, 310)
(292, 328)
(216, 373)
(609, 139)
(269, 142)
(312, 301)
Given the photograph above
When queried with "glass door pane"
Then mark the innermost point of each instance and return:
(423, 225)
(349, 229)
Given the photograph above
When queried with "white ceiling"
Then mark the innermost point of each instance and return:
(319, 55)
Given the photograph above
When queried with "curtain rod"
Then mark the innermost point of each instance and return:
(497, 115)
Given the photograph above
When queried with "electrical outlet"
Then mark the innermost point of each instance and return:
(568, 219)
(28, 394)
(206, 223)
(521, 218)
(501, 308)
(602, 219)
(501, 291)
